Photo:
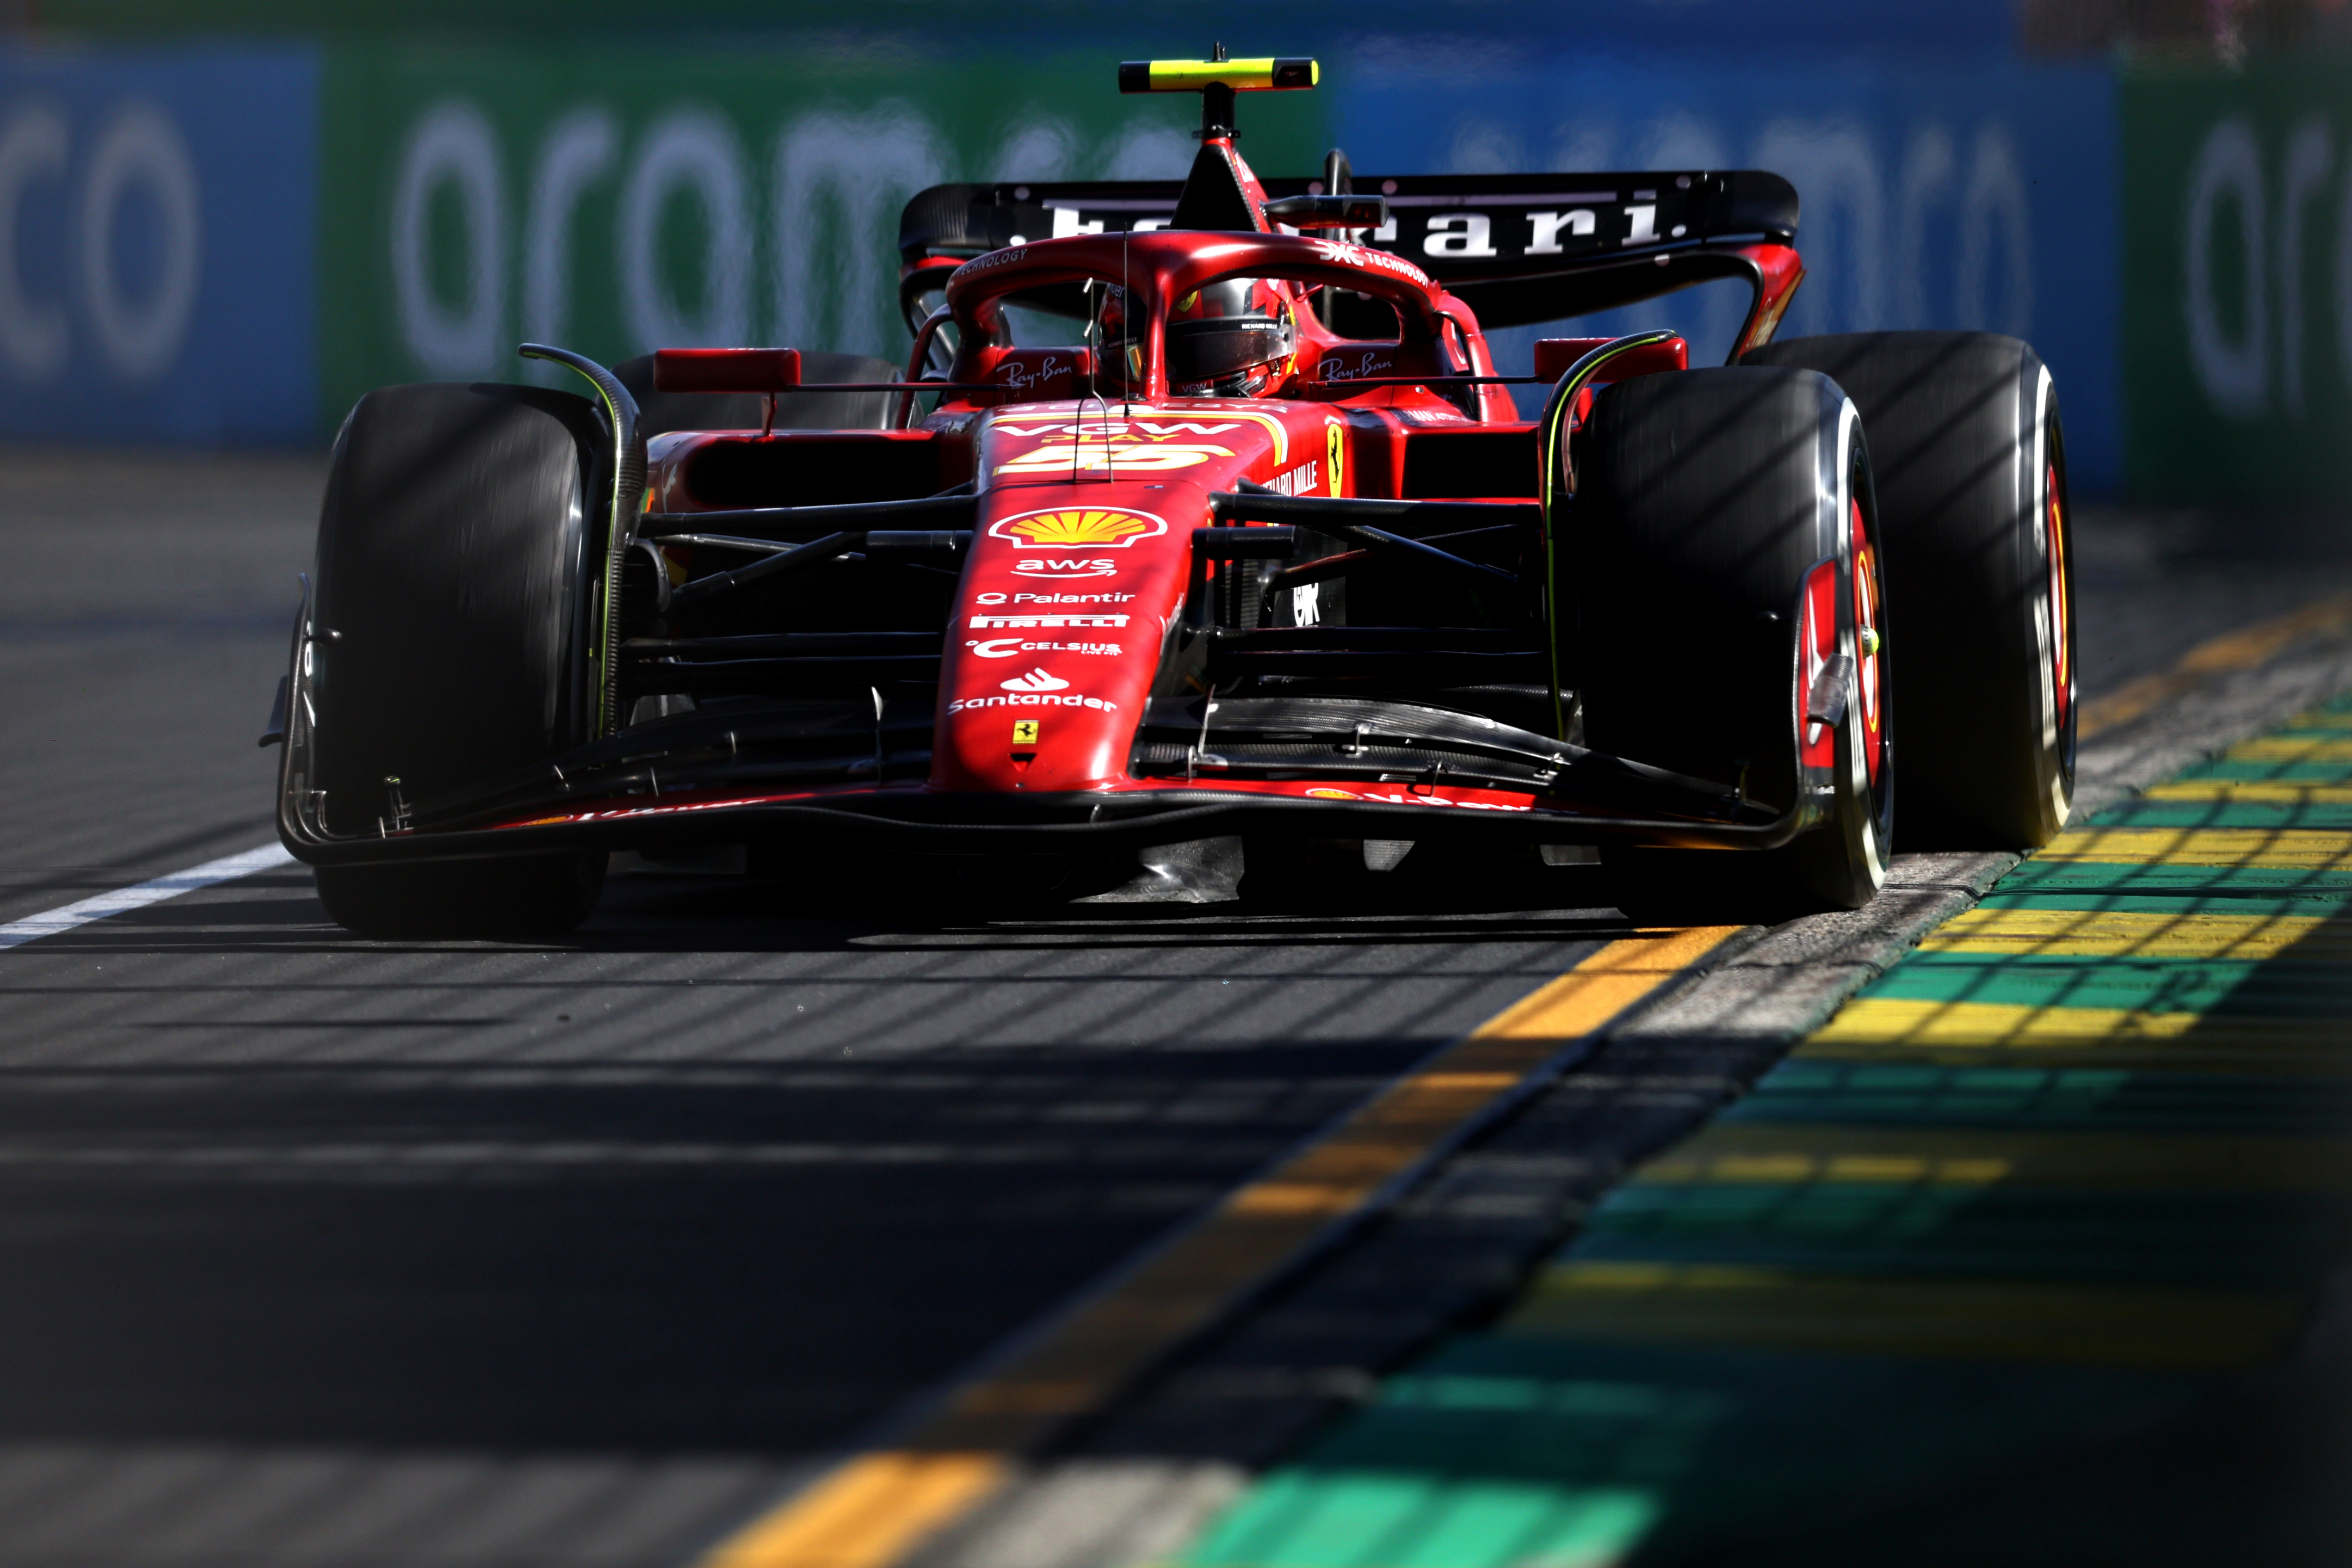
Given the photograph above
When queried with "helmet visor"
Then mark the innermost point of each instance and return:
(1222, 346)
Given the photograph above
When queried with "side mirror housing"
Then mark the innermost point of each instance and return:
(726, 369)
(1554, 355)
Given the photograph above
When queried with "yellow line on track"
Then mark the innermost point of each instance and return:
(874, 1509)
(1767, 1308)
(2109, 933)
(2252, 791)
(2293, 748)
(2241, 649)
(1976, 1034)
(1735, 1153)
(2282, 848)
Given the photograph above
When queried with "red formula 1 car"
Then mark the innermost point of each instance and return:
(1254, 549)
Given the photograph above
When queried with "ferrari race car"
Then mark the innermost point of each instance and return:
(1253, 550)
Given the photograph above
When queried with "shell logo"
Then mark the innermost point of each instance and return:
(1092, 526)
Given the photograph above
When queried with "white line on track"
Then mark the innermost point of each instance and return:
(227, 868)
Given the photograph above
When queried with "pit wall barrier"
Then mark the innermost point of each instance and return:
(227, 246)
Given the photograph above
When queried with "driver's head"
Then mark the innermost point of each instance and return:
(1233, 338)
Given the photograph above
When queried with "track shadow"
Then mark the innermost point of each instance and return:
(959, 908)
(267, 1182)
(750, 1259)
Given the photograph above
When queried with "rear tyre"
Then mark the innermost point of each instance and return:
(451, 627)
(1708, 502)
(1971, 467)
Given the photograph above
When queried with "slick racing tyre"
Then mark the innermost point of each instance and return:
(1971, 470)
(1723, 518)
(447, 615)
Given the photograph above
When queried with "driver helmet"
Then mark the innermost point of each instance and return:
(1233, 339)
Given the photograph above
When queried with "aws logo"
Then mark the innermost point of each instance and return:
(1091, 527)
(1062, 566)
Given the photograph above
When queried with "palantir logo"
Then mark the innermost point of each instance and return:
(1035, 681)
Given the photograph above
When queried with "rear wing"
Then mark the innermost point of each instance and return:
(1517, 248)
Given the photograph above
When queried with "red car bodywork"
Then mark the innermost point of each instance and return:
(1078, 597)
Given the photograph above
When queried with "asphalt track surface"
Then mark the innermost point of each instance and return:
(315, 1249)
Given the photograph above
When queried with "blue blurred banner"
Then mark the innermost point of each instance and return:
(1976, 194)
(157, 222)
(171, 221)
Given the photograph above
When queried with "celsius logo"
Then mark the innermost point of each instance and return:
(1096, 527)
(1064, 566)
(1035, 681)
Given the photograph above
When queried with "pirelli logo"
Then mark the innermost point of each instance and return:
(1012, 622)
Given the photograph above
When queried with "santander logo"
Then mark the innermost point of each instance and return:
(1035, 681)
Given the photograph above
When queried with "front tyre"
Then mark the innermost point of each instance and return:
(1726, 520)
(451, 645)
(1970, 461)
(1842, 864)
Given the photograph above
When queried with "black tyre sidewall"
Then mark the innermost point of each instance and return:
(1697, 515)
(1965, 436)
(1704, 497)
(452, 565)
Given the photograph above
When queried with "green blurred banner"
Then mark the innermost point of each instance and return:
(2237, 297)
(611, 199)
